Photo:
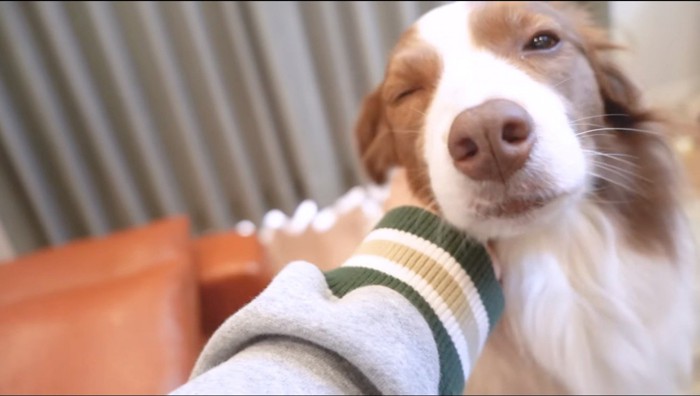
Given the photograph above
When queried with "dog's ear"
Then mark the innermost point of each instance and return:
(374, 138)
(620, 95)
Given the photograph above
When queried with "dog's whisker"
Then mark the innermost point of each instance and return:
(625, 178)
(616, 157)
(417, 111)
(587, 124)
(591, 132)
(616, 183)
(624, 175)
(594, 135)
(648, 131)
(609, 153)
(596, 199)
(619, 180)
(621, 171)
(623, 162)
(562, 82)
(601, 115)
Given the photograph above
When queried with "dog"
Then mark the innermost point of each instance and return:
(514, 124)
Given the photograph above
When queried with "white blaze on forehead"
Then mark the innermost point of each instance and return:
(471, 75)
(446, 27)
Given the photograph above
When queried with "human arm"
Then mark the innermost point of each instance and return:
(407, 313)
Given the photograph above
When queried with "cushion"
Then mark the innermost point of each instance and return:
(118, 314)
(232, 270)
(90, 260)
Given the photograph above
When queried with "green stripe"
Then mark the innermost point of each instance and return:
(346, 279)
(471, 255)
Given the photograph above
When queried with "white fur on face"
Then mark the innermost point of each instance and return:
(471, 76)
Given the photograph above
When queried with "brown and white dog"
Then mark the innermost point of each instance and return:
(514, 124)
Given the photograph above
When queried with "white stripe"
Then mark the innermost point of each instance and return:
(426, 291)
(448, 263)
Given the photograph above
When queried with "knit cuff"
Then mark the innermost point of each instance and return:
(447, 276)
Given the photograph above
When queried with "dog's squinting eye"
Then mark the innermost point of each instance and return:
(542, 41)
(405, 94)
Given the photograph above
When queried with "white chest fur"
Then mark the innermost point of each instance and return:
(593, 313)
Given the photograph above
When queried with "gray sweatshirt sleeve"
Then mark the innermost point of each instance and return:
(408, 313)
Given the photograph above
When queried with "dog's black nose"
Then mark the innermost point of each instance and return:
(491, 141)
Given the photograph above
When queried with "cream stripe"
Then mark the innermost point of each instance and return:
(443, 283)
(426, 291)
(448, 263)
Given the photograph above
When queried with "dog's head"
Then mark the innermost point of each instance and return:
(506, 113)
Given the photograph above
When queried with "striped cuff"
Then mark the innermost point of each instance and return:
(443, 273)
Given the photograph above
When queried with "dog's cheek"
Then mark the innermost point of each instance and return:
(418, 179)
(409, 135)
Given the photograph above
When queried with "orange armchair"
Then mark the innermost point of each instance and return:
(127, 313)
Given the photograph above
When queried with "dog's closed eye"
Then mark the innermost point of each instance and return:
(401, 95)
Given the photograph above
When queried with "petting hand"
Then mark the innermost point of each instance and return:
(400, 194)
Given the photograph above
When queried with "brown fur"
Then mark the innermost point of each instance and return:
(641, 190)
(389, 132)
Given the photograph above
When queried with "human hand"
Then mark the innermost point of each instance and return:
(400, 194)
(491, 250)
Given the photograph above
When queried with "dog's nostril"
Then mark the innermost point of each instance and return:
(515, 131)
(464, 149)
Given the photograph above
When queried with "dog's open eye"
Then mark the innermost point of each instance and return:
(542, 41)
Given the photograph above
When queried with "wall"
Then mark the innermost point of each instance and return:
(664, 47)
